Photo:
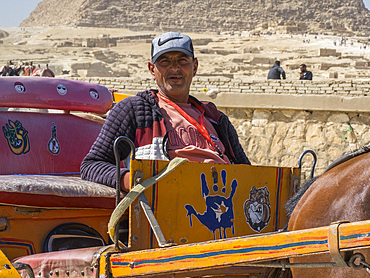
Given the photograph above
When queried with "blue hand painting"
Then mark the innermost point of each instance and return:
(219, 213)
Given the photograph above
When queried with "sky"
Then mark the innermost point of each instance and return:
(13, 12)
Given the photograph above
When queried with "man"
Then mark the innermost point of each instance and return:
(276, 71)
(304, 74)
(164, 123)
(6, 70)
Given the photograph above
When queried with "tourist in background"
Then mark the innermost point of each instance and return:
(276, 72)
(304, 73)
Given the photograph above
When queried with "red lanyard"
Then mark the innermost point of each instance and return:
(201, 126)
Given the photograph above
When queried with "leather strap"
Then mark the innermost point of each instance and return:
(333, 242)
(135, 192)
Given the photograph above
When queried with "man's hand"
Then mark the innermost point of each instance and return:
(125, 182)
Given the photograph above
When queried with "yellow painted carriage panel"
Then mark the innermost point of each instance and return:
(241, 250)
(27, 228)
(120, 96)
(200, 202)
(6, 268)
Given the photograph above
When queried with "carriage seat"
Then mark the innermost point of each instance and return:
(48, 143)
(67, 263)
(42, 152)
(55, 192)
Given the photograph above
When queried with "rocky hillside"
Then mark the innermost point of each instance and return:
(205, 15)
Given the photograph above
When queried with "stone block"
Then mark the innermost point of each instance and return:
(296, 131)
(333, 74)
(224, 87)
(293, 146)
(288, 160)
(264, 114)
(339, 118)
(324, 52)
(275, 85)
(334, 134)
(252, 145)
(276, 146)
(261, 60)
(345, 85)
(270, 91)
(315, 135)
(247, 91)
(80, 65)
(281, 129)
(257, 131)
(82, 72)
(359, 129)
(243, 128)
(270, 129)
(288, 113)
(365, 139)
(261, 158)
(254, 87)
(313, 89)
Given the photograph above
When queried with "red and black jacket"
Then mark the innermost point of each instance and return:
(140, 119)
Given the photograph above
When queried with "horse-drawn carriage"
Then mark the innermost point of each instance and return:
(184, 219)
(25, 69)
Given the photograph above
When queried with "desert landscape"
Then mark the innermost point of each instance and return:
(238, 39)
(119, 52)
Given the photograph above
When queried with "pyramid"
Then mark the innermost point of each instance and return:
(205, 15)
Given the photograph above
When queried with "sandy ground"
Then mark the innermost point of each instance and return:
(240, 55)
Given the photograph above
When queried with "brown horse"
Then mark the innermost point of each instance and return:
(341, 193)
(43, 72)
(33, 71)
(28, 71)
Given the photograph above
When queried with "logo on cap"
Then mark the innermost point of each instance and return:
(160, 43)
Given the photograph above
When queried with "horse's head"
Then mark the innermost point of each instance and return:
(43, 72)
(48, 73)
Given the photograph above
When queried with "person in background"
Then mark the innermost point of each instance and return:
(165, 122)
(304, 74)
(276, 72)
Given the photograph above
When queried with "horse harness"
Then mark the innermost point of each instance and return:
(347, 157)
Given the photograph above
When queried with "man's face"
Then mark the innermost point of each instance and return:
(302, 68)
(173, 72)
